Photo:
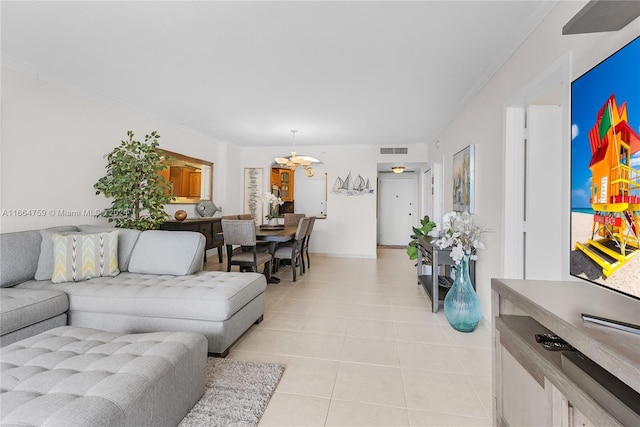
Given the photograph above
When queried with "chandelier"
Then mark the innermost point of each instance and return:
(294, 161)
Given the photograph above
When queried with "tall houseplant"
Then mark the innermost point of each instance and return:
(133, 181)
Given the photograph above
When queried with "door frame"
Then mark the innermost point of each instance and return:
(437, 174)
(513, 179)
(426, 192)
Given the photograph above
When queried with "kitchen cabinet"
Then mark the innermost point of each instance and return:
(283, 178)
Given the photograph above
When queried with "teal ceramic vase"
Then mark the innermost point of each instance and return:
(461, 304)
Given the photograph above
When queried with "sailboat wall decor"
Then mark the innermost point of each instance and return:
(352, 187)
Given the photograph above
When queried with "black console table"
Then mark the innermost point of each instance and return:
(211, 228)
(437, 258)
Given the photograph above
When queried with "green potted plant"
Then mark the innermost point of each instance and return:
(426, 225)
(134, 183)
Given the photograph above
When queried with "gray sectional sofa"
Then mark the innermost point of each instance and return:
(160, 287)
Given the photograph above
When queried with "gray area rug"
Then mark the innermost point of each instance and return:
(236, 393)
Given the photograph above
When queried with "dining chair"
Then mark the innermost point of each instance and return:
(262, 246)
(293, 252)
(292, 219)
(305, 243)
(243, 233)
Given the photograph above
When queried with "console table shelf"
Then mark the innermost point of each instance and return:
(440, 263)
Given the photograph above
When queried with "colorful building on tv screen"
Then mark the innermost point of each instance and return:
(615, 190)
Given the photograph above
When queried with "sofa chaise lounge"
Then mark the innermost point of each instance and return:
(160, 287)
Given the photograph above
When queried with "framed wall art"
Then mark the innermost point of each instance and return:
(253, 183)
(463, 180)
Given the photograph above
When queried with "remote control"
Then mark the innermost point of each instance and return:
(557, 346)
(445, 282)
(548, 337)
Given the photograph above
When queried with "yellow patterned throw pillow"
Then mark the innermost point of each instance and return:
(83, 256)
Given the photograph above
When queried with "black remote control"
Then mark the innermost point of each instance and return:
(445, 282)
(557, 346)
(548, 337)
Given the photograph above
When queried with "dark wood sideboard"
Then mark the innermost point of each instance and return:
(211, 228)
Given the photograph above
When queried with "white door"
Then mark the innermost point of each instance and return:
(397, 208)
(543, 193)
(542, 216)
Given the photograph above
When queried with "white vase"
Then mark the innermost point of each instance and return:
(273, 212)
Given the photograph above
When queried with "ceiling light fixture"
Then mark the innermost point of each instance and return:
(294, 161)
(397, 169)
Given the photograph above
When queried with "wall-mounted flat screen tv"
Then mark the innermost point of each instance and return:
(605, 172)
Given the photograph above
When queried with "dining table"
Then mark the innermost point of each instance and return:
(274, 236)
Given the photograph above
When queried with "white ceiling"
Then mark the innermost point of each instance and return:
(350, 72)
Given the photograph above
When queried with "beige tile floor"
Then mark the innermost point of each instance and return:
(362, 348)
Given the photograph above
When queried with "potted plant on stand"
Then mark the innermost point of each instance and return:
(459, 232)
(133, 181)
(426, 225)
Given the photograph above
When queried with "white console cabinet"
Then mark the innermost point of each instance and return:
(533, 386)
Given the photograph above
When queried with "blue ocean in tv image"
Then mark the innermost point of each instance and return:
(613, 83)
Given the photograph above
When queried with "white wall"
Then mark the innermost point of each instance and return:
(481, 123)
(351, 224)
(350, 227)
(53, 147)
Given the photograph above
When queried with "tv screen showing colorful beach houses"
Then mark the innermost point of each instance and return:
(605, 172)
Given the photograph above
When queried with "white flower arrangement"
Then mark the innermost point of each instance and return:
(273, 202)
(459, 232)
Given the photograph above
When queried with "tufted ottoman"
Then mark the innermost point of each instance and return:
(71, 376)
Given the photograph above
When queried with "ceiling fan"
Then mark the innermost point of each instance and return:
(603, 15)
